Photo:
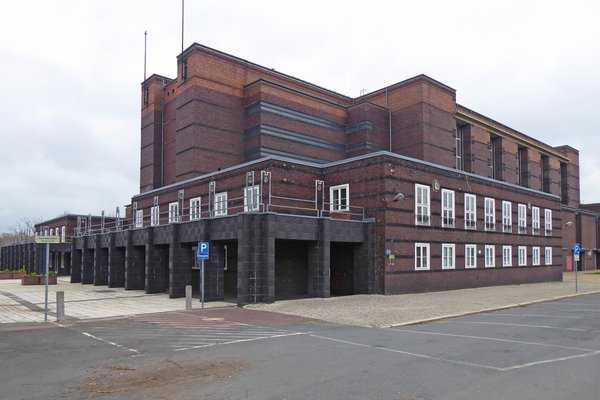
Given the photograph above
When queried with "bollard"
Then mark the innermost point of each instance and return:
(60, 306)
(188, 297)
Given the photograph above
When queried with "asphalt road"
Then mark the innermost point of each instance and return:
(544, 351)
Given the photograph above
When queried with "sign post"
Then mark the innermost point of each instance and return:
(576, 251)
(202, 255)
(47, 240)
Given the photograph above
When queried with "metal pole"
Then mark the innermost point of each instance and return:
(47, 270)
(576, 277)
(202, 284)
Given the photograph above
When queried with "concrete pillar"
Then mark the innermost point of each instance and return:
(180, 265)
(87, 261)
(319, 256)
(134, 264)
(100, 262)
(116, 263)
(76, 257)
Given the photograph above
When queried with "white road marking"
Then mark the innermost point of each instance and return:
(240, 341)
(493, 339)
(425, 356)
(534, 315)
(520, 325)
(550, 360)
(109, 342)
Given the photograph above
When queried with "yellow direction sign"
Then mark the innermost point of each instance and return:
(47, 239)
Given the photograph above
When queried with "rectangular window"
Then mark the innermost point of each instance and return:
(339, 198)
(506, 216)
(535, 220)
(154, 215)
(421, 256)
(521, 166)
(548, 255)
(490, 256)
(195, 208)
(460, 149)
(220, 204)
(447, 208)
(252, 198)
(490, 214)
(173, 212)
(63, 232)
(139, 218)
(51, 231)
(470, 256)
(507, 256)
(535, 256)
(448, 256)
(548, 222)
(421, 205)
(470, 211)
(522, 219)
(522, 256)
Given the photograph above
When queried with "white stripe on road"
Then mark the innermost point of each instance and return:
(240, 341)
(109, 342)
(520, 325)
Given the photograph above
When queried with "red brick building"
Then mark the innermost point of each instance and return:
(302, 191)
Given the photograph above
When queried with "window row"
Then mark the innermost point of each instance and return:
(59, 231)
(423, 212)
(448, 256)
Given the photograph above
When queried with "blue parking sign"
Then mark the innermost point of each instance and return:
(202, 250)
(576, 249)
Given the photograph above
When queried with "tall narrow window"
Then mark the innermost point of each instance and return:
(490, 256)
(195, 208)
(139, 218)
(470, 211)
(421, 256)
(460, 149)
(495, 157)
(220, 204)
(63, 232)
(506, 216)
(522, 256)
(548, 222)
(535, 255)
(490, 214)
(506, 256)
(548, 256)
(154, 215)
(535, 220)
(447, 208)
(252, 199)
(448, 256)
(545, 164)
(421, 205)
(470, 256)
(173, 212)
(522, 221)
(521, 166)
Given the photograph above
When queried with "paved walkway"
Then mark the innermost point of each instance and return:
(26, 303)
(385, 311)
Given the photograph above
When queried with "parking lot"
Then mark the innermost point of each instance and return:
(542, 351)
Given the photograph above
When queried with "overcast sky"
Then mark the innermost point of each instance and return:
(71, 74)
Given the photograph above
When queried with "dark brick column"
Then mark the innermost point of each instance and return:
(116, 263)
(150, 282)
(214, 277)
(180, 264)
(319, 254)
(76, 257)
(364, 263)
(40, 258)
(30, 256)
(134, 264)
(87, 261)
(100, 262)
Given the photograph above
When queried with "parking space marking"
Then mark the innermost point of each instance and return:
(493, 339)
(566, 309)
(241, 341)
(110, 343)
(552, 360)
(418, 355)
(534, 315)
(519, 325)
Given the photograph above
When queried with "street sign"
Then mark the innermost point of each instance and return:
(576, 249)
(202, 250)
(47, 239)
(576, 257)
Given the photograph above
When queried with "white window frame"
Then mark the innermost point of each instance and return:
(490, 213)
(507, 256)
(506, 216)
(422, 262)
(139, 218)
(422, 206)
(154, 215)
(173, 212)
(470, 256)
(51, 231)
(535, 255)
(522, 219)
(535, 220)
(547, 255)
(220, 204)
(470, 211)
(490, 256)
(548, 222)
(522, 256)
(448, 256)
(253, 192)
(448, 207)
(195, 208)
(63, 232)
